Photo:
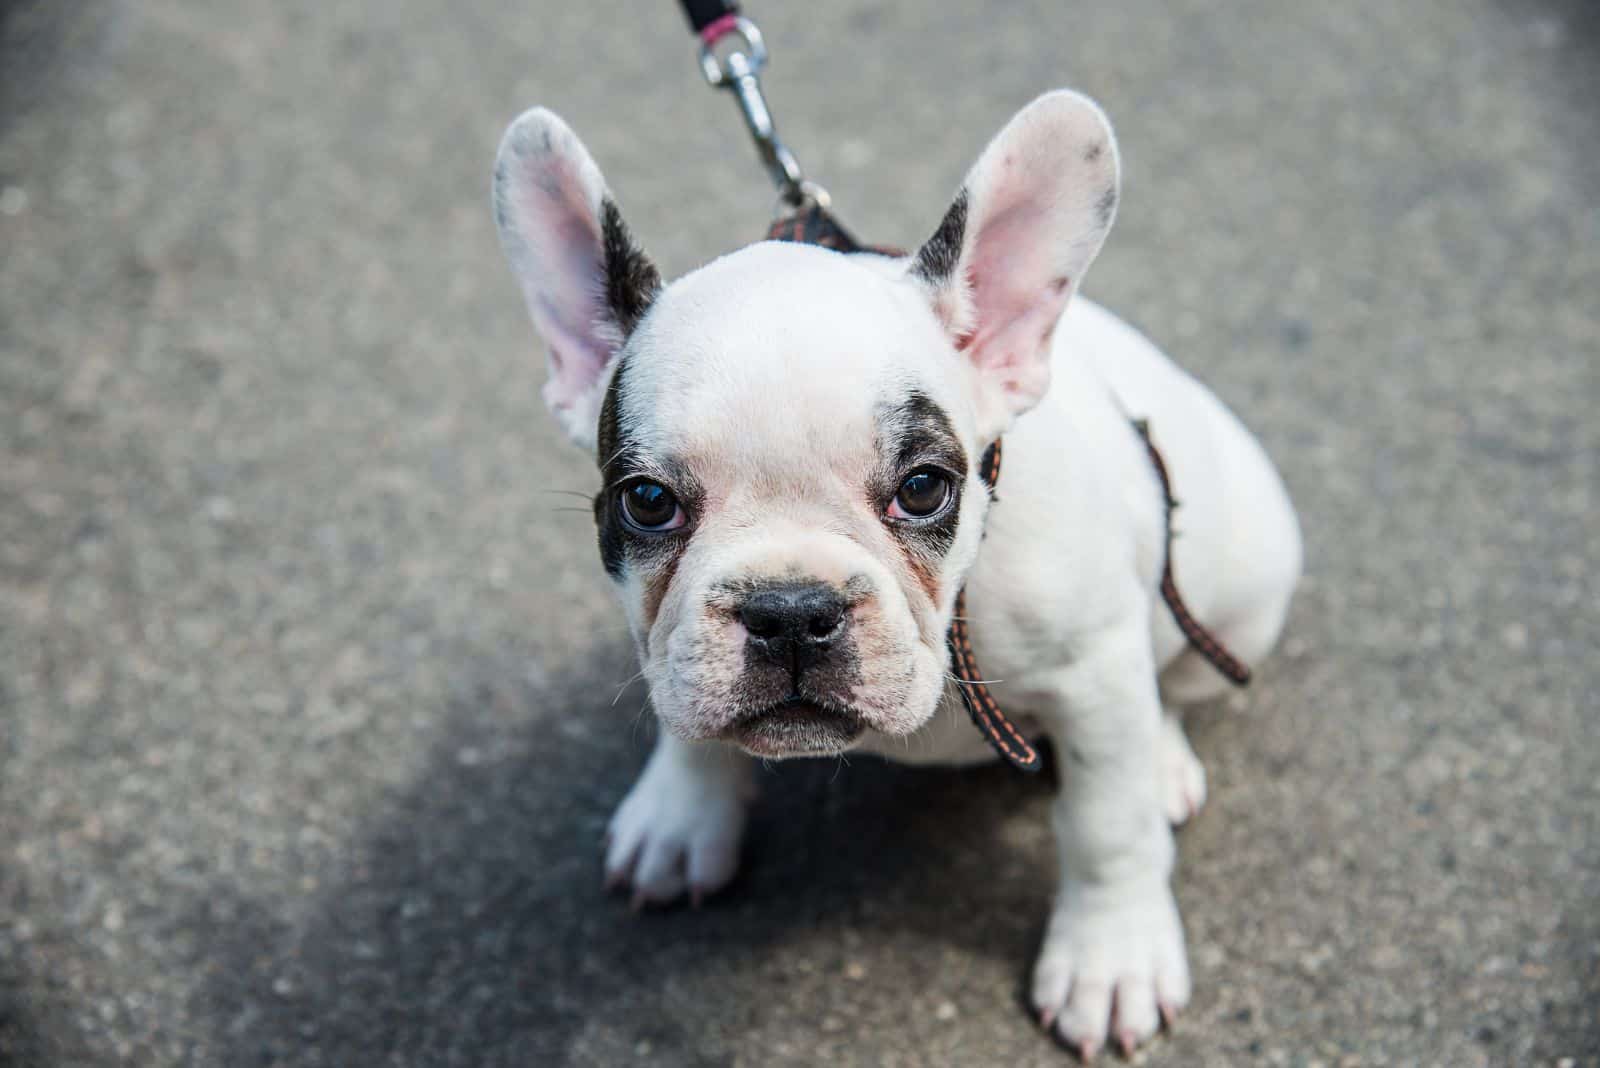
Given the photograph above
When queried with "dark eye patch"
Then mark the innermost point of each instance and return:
(622, 542)
(609, 452)
(919, 430)
(653, 555)
(916, 435)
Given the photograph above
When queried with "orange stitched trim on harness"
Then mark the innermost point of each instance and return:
(981, 705)
(1195, 633)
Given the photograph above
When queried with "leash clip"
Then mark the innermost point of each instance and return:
(740, 72)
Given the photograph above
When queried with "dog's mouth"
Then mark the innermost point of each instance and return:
(797, 727)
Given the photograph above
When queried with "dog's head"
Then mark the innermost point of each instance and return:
(789, 437)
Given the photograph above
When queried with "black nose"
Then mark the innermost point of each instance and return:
(794, 623)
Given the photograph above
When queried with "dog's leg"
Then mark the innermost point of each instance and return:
(679, 827)
(1113, 959)
(1183, 777)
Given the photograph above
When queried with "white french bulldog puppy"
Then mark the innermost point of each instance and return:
(789, 439)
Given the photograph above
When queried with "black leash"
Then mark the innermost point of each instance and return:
(702, 13)
(809, 221)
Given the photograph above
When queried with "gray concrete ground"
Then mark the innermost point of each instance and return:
(307, 665)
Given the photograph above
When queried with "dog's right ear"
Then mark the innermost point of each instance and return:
(586, 283)
(1014, 246)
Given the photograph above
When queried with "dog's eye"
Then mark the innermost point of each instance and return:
(923, 494)
(651, 507)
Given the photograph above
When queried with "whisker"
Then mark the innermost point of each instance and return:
(569, 493)
(638, 719)
(624, 688)
(972, 682)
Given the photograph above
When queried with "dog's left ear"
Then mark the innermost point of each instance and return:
(586, 283)
(1014, 246)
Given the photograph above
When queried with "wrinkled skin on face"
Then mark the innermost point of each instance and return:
(786, 439)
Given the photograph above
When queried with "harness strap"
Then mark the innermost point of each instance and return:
(813, 224)
(986, 715)
(1198, 636)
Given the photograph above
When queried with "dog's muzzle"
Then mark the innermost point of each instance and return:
(799, 669)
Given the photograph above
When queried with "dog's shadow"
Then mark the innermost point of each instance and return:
(470, 925)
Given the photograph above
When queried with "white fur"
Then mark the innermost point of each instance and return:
(782, 455)
(764, 372)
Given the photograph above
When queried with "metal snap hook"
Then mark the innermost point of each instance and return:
(739, 71)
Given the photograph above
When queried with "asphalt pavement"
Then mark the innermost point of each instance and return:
(314, 700)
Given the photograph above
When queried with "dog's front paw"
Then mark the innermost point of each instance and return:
(678, 829)
(1112, 963)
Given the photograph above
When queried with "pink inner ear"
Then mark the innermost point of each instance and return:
(556, 221)
(1015, 302)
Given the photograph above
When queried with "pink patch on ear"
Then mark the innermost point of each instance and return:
(1035, 209)
(964, 340)
(1010, 313)
(553, 217)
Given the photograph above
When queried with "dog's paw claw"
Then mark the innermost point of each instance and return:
(1126, 1042)
(619, 867)
(1109, 974)
(675, 834)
